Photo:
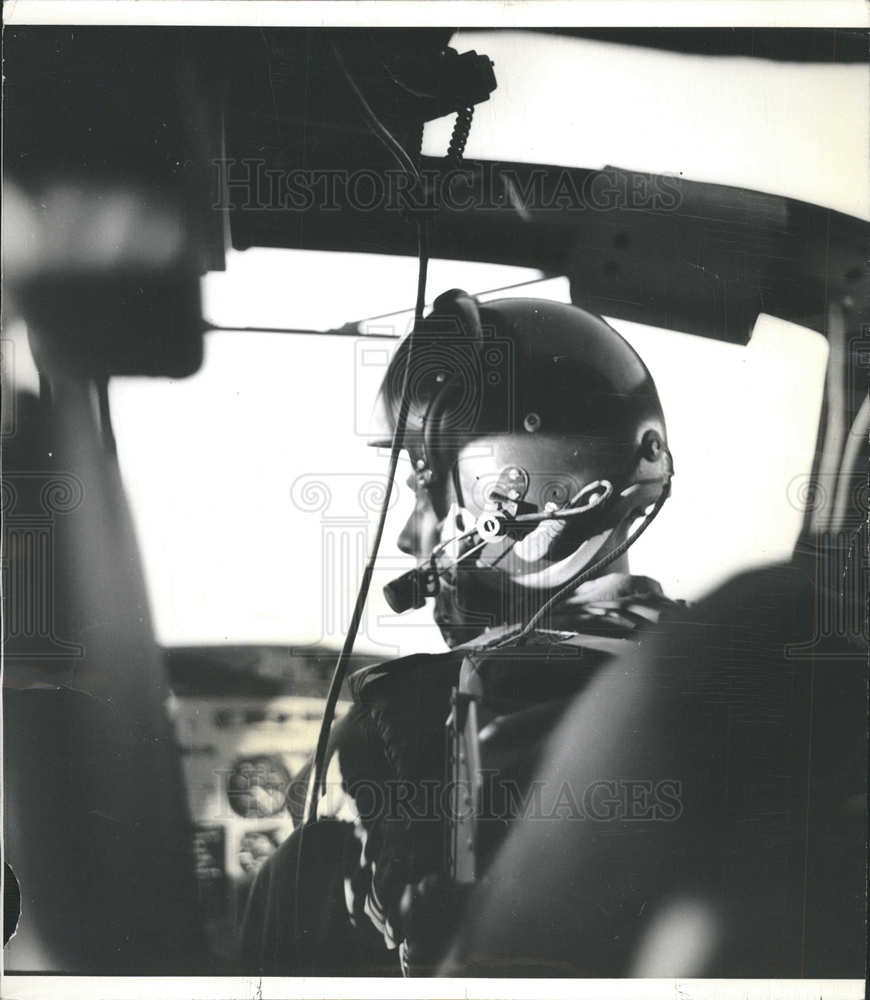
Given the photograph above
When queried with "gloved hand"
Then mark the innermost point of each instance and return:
(375, 877)
(418, 918)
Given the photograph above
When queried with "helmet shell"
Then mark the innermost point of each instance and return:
(522, 384)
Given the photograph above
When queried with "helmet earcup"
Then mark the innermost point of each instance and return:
(452, 414)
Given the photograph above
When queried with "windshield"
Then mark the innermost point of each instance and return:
(796, 130)
(256, 496)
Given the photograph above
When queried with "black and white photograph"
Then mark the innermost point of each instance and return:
(435, 453)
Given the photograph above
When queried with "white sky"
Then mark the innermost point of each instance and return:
(210, 462)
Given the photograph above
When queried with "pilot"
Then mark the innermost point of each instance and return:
(539, 453)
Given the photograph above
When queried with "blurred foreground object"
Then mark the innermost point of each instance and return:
(756, 867)
(106, 232)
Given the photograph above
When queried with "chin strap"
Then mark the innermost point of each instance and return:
(591, 571)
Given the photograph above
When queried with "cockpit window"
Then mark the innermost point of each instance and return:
(255, 494)
(269, 287)
(727, 120)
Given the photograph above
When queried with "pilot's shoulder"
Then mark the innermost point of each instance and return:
(418, 672)
(618, 604)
